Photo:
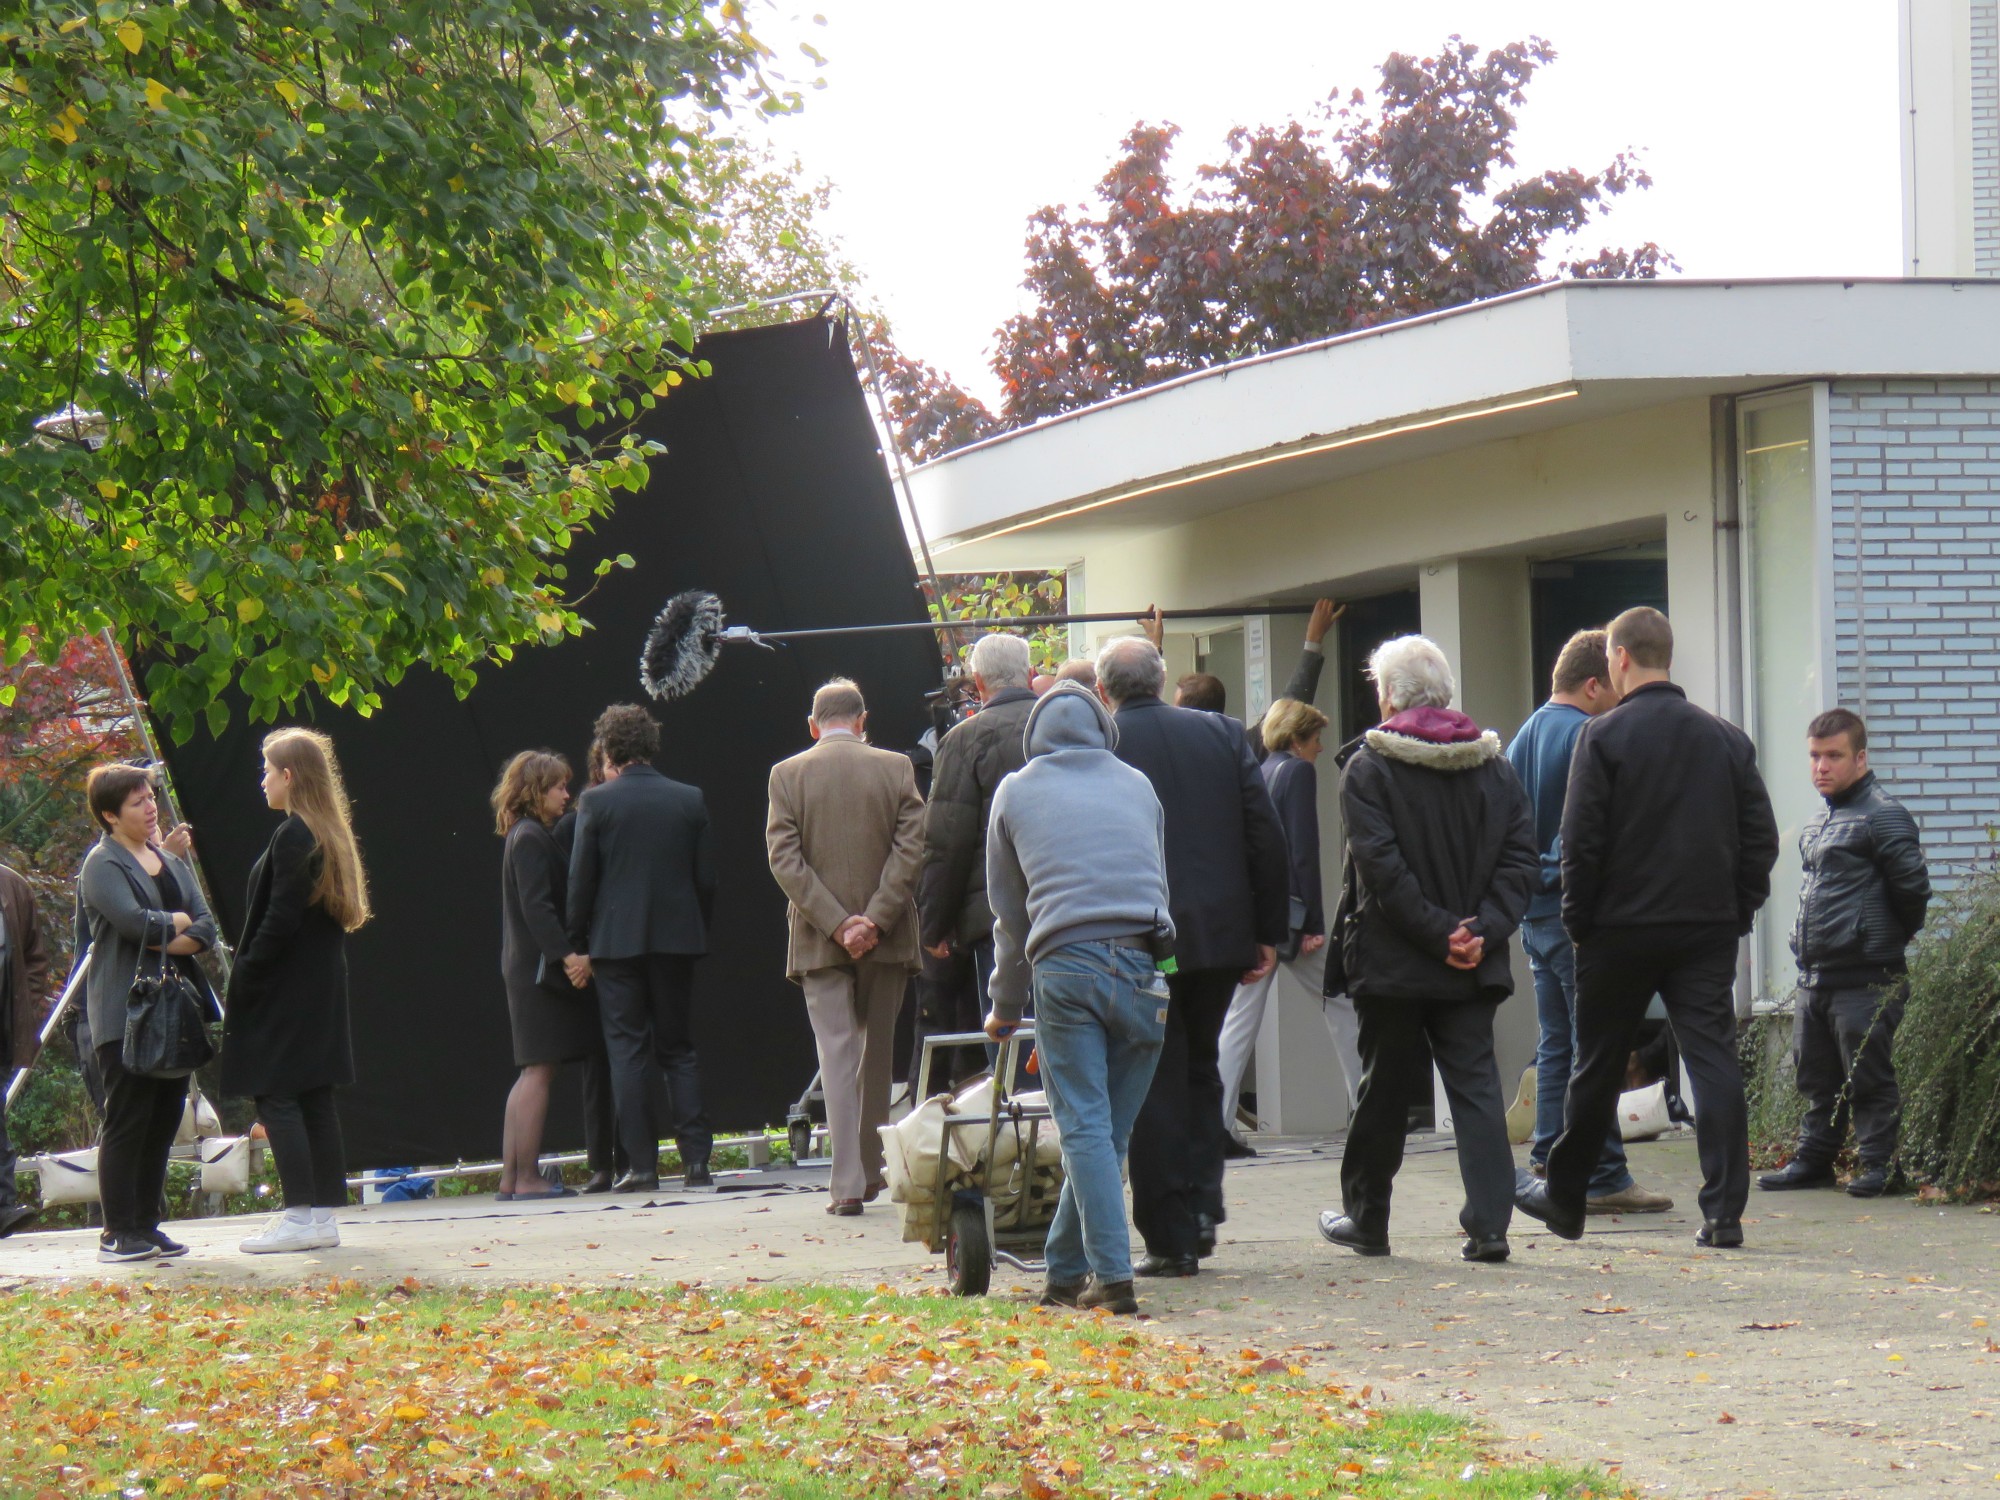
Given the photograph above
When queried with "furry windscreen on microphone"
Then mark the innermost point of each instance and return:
(681, 647)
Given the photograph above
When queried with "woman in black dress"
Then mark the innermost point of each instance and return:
(552, 1022)
(286, 1040)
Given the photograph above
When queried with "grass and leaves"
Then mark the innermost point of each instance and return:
(341, 1390)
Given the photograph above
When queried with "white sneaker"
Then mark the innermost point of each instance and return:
(283, 1234)
(328, 1234)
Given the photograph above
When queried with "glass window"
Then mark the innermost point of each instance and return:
(1781, 609)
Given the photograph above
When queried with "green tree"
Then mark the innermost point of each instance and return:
(359, 298)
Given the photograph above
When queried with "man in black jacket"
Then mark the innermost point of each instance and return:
(972, 760)
(1866, 890)
(1668, 842)
(1228, 875)
(641, 892)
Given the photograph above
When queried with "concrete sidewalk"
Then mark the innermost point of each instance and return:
(1851, 1349)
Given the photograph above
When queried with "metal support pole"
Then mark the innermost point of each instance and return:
(76, 978)
(746, 633)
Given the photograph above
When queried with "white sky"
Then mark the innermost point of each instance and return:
(1769, 126)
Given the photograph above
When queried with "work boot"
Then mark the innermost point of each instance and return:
(1063, 1293)
(1869, 1182)
(1112, 1296)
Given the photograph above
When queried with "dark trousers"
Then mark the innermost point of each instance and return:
(1618, 971)
(1399, 1038)
(600, 1115)
(644, 1004)
(304, 1132)
(141, 1118)
(1176, 1154)
(1843, 1042)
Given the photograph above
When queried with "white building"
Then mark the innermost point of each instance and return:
(1950, 96)
(1806, 475)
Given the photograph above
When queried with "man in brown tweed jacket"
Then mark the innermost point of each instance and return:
(845, 839)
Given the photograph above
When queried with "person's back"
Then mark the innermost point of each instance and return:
(1540, 754)
(1667, 822)
(642, 875)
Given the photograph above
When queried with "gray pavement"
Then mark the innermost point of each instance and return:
(1851, 1349)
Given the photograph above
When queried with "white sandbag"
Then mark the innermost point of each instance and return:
(911, 1150)
(199, 1120)
(70, 1178)
(1642, 1113)
(225, 1164)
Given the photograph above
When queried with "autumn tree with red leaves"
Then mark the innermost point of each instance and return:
(1301, 232)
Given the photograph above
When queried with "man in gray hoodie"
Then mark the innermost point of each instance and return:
(1076, 875)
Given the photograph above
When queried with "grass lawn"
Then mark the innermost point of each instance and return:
(340, 1390)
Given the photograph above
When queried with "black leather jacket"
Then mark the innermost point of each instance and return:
(1865, 891)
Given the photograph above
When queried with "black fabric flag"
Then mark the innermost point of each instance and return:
(773, 495)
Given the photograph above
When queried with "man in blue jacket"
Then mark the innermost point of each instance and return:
(1540, 754)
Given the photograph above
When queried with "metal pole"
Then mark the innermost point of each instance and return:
(138, 708)
(746, 633)
(49, 1026)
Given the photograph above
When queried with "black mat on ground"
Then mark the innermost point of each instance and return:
(773, 495)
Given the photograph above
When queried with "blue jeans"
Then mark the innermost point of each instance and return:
(1101, 1017)
(1552, 961)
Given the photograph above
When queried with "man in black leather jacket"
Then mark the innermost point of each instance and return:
(1866, 889)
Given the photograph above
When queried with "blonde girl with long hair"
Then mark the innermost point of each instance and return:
(287, 1041)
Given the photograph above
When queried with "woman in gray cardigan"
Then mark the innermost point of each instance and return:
(139, 899)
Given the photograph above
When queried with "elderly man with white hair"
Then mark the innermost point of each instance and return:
(953, 914)
(1229, 876)
(1441, 845)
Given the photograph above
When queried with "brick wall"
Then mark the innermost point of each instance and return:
(1916, 584)
(1986, 137)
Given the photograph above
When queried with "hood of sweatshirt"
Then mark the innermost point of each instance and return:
(1441, 739)
(1069, 717)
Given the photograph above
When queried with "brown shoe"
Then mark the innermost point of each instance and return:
(875, 1190)
(846, 1208)
(1112, 1296)
(1632, 1200)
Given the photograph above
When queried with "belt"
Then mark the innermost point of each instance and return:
(1140, 941)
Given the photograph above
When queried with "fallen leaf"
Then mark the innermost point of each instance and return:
(1725, 1420)
(1770, 1327)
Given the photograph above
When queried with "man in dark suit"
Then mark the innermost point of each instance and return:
(641, 889)
(1228, 875)
(1668, 841)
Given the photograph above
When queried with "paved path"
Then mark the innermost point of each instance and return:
(1852, 1349)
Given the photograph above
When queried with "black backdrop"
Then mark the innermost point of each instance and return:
(772, 494)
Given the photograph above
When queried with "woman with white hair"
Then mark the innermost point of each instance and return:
(1442, 850)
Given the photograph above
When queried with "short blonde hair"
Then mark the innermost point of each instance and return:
(1288, 722)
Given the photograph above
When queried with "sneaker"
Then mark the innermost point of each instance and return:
(1630, 1200)
(1869, 1182)
(282, 1235)
(328, 1232)
(170, 1249)
(117, 1249)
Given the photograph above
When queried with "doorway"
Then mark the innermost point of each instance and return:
(1587, 593)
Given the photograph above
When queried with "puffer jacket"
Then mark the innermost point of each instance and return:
(1866, 889)
(972, 761)
(1438, 832)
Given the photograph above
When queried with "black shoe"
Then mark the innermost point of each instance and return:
(1490, 1252)
(697, 1177)
(1869, 1182)
(1063, 1293)
(1719, 1234)
(597, 1182)
(1341, 1230)
(632, 1182)
(1234, 1148)
(1533, 1200)
(1798, 1174)
(1150, 1264)
(115, 1249)
(1112, 1296)
(169, 1249)
(14, 1216)
(1204, 1236)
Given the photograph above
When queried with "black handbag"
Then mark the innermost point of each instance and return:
(166, 1021)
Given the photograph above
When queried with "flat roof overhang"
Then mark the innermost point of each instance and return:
(1546, 357)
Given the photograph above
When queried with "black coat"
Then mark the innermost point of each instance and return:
(286, 1029)
(972, 761)
(1228, 871)
(1866, 889)
(1294, 785)
(1666, 821)
(552, 1020)
(642, 874)
(1436, 834)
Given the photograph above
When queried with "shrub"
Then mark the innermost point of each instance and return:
(1946, 1059)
